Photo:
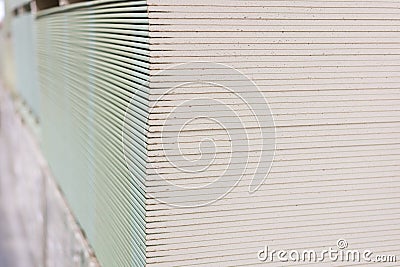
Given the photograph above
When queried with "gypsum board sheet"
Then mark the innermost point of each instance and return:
(158, 214)
(110, 51)
(235, 195)
(243, 110)
(90, 5)
(106, 15)
(271, 9)
(301, 131)
(282, 155)
(129, 117)
(136, 10)
(115, 22)
(107, 12)
(332, 142)
(269, 28)
(280, 158)
(139, 58)
(254, 154)
(119, 46)
(277, 186)
(136, 36)
(161, 113)
(218, 216)
(124, 94)
(277, 52)
(203, 247)
(183, 74)
(290, 159)
(273, 209)
(215, 168)
(361, 163)
(192, 22)
(282, 16)
(110, 123)
(377, 117)
(301, 69)
(135, 70)
(165, 101)
(99, 26)
(136, 19)
(282, 137)
(164, 192)
(123, 88)
(163, 189)
(260, 37)
(186, 239)
(289, 215)
(176, 47)
(157, 209)
(112, 160)
(292, 58)
(139, 82)
(252, 67)
(136, 137)
(276, 3)
(185, 222)
(335, 89)
(250, 121)
(160, 187)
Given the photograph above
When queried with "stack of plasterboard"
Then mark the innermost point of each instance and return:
(93, 61)
(330, 73)
(249, 123)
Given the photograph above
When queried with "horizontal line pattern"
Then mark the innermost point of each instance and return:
(94, 72)
(330, 73)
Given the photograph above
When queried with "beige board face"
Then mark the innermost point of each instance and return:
(330, 74)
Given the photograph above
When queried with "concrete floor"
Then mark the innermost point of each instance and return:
(14, 251)
(7, 241)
